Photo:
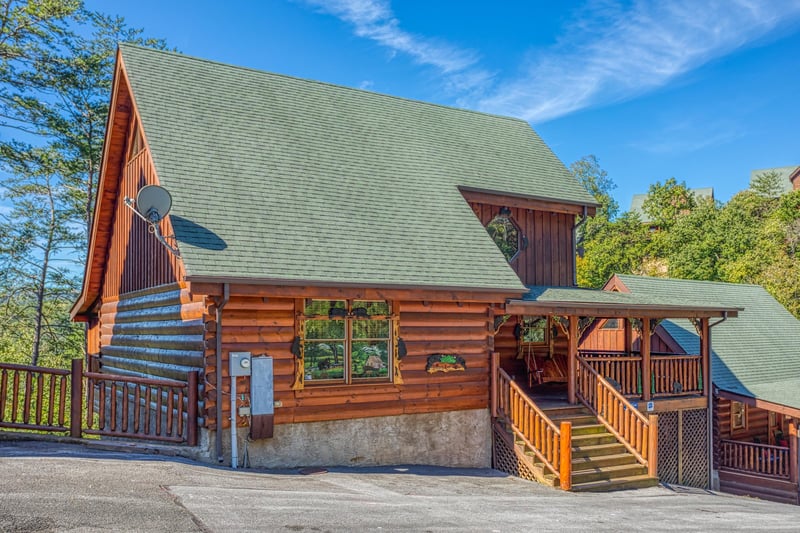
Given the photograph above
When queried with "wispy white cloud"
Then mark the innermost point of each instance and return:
(610, 53)
(374, 19)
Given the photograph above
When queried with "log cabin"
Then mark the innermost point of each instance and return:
(360, 279)
(755, 370)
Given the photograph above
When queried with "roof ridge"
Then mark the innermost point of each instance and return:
(692, 280)
(308, 80)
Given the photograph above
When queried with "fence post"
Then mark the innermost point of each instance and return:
(191, 411)
(76, 398)
(565, 459)
(652, 446)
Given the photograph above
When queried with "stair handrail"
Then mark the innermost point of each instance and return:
(551, 444)
(637, 432)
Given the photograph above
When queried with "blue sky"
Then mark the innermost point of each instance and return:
(704, 91)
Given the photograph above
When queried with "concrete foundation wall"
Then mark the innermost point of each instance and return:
(455, 438)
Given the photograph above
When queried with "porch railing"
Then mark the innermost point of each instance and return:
(551, 444)
(639, 434)
(670, 374)
(754, 458)
(133, 407)
(34, 398)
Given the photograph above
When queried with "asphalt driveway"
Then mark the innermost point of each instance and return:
(62, 487)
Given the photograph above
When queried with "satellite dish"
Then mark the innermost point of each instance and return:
(153, 202)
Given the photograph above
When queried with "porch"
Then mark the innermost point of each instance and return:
(613, 359)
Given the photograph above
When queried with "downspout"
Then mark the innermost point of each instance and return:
(575, 229)
(226, 295)
(710, 415)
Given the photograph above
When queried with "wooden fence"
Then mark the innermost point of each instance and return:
(52, 400)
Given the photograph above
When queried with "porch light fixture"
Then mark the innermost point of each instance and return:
(151, 205)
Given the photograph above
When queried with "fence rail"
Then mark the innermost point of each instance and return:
(35, 398)
(754, 458)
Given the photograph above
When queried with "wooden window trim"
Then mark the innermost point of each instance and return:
(347, 379)
(734, 426)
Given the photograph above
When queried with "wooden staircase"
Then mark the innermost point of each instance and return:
(599, 461)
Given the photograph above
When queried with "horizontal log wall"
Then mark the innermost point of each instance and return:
(136, 260)
(548, 259)
(155, 333)
(266, 326)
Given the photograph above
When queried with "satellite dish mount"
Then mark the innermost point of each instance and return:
(151, 205)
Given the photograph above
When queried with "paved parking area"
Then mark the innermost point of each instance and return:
(62, 487)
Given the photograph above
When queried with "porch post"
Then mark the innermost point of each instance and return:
(645, 344)
(705, 352)
(628, 336)
(572, 359)
(794, 475)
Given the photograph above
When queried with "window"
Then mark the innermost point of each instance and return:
(611, 323)
(506, 234)
(346, 341)
(534, 330)
(738, 415)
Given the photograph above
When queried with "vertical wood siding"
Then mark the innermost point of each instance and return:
(266, 326)
(548, 259)
(136, 260)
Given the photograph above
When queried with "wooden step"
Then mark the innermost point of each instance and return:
(608, 473)
(600, 461)
(598, 449)
(577, 420)
(586, 429)
(621, 483)
(567, 410)
(592, 439)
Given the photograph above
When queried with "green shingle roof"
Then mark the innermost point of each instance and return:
(278, 178)
(756, 354)
(575, 295)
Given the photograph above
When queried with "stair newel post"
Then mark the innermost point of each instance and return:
(794, 475)
(652, 446)
(565, 459)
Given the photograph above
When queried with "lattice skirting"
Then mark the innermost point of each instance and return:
(504, 456)
(683, 448)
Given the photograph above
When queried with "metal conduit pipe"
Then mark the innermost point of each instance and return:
(226, 295)
(710, 415)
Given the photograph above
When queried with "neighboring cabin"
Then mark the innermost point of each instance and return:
(637, 203)
(788, 176)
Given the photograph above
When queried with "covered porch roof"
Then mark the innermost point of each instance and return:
(574, 301)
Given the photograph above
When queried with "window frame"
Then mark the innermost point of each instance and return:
(521, 244)
(349, 319)
(547, 327)
(738, 410)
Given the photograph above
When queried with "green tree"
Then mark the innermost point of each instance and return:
(56, 68)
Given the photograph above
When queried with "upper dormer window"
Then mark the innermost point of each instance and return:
(506, 234)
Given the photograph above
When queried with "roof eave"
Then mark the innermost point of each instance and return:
(617, 310)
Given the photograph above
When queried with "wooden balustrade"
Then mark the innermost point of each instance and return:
(638, 433)
(152, 409)
(34, 398)
(753, 458)
(551, 444)
(676, 375)
(670, 375)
